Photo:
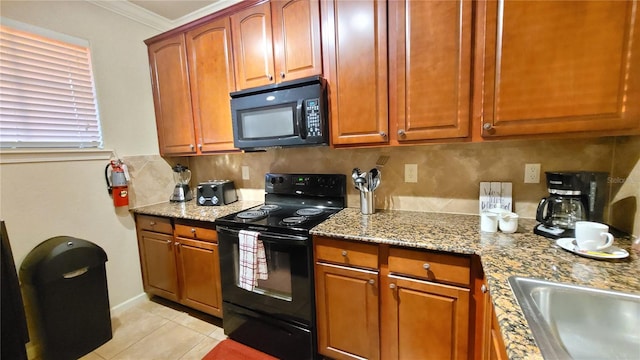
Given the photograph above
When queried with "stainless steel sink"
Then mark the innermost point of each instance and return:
(577, 322)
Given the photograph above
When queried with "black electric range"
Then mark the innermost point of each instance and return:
(276, 312)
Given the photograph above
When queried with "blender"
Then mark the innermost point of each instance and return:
(182, 176)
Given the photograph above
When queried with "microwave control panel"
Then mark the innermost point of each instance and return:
(312, 110)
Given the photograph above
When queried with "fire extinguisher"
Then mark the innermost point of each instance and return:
(117, 182)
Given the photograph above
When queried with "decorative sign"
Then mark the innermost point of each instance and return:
(495, 195)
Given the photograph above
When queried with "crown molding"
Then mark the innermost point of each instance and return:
(153, 20)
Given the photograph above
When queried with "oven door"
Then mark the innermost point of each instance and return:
(287, 292)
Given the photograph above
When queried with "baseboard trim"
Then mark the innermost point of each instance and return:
(128, 304)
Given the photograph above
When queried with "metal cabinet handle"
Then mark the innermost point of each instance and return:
(169, 242)
(344, 252)
(192, 147)
(426, 266)
(372, 282)
(282, 74)
(383, 134)
(193, 230)
(200, 147)
(483, 288)
(401, 133)
(152, 223)
(270, 77)
(487, 126)
(176, 243)
(392, 286)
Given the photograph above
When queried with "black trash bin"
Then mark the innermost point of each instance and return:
(65, 281)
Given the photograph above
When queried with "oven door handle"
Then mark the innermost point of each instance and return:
(267, 236)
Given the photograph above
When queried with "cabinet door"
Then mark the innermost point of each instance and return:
(158, 260)
(171, 96)
(347, 312)
(355, 45)
(430, 55)
(200, 275)
(296, 38)
(252, 46)
(557, 66)
(212, 79)
(427, 320)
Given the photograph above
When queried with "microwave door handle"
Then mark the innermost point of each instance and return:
(301, 121)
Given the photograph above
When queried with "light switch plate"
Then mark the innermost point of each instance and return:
(245, 173)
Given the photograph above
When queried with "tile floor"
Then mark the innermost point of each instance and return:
(157, 329)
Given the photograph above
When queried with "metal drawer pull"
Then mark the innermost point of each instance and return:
(483, 288)
(152, 223)
(344, 252)
(372, 282)
(426, 266)
(75, 273)
(193, 231)
(392, 286)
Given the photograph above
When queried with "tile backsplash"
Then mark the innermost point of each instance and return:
(449, 175)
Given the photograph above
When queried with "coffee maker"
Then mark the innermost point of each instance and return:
(182, 176)
(573, 196)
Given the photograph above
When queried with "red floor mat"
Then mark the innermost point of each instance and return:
(230, 350)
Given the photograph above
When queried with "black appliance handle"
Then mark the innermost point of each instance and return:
(540, 213)
(301, 119)
(106, 178)
(268, 237)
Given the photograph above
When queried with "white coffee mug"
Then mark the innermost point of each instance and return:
(593, 236)
(488, 222)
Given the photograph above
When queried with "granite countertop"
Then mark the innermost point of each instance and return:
(190, 210)
(502, 255)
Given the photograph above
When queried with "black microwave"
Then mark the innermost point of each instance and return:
(292, 113)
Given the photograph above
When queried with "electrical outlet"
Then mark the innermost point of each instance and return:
(532, 173)
(245, 173)
(411, 173)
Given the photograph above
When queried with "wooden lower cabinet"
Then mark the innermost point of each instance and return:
(425, 320)
(199, 270)
(180, 264)
(392, 309)
(493, 347)
(159, 271)
(347, 308)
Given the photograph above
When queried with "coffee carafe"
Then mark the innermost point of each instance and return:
(182, 176)
(573, 196)
(561, 211)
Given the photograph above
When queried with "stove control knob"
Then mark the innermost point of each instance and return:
(272, 180)
(280, 179)
(215, 200)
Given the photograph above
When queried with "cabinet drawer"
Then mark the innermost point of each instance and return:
(430, 266)
(347, 252)
(155, 224)
(198, 233)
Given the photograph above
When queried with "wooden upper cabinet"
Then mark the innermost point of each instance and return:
(252, 46)
(276, 41)
(355, 44)
(430, 69)
(172, 99)
(557, 67)
(296, 38)
(211, 79)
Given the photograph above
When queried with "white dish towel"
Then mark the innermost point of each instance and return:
(253, 261)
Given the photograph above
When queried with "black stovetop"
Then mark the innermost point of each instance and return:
(293, 203)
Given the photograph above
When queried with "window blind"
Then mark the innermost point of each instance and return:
(47, 93)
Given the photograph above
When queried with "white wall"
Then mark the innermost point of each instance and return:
(42, 200)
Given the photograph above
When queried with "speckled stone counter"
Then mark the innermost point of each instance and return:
(502, 255)
(190, 210)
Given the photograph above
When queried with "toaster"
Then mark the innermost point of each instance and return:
(216, 192)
